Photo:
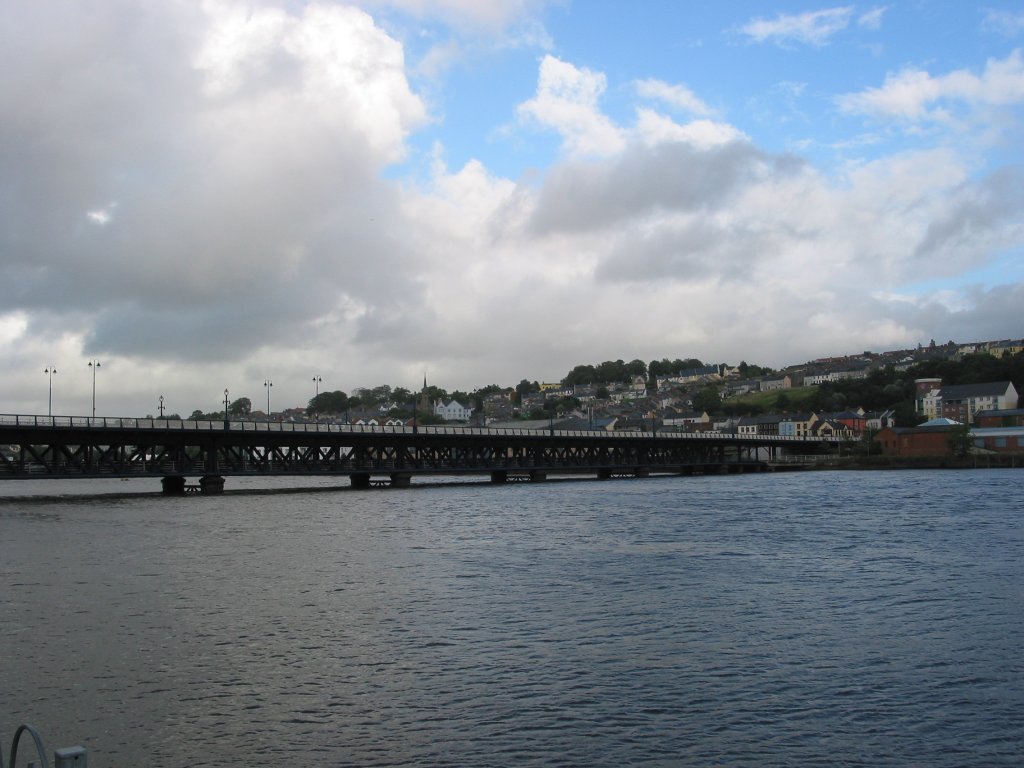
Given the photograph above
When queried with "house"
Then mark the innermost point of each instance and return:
(707, 372)
(855, 420)
(1000, 348)
(770, 383)
(1010, 417)
(452, 411)
(832, 429)
(765, 424)
(797, 424)
(999, 439)
(960, 402)
(915, 441)
(814, 379)
(877, 420)
(741, 387)
(687, 420)
(928, 396)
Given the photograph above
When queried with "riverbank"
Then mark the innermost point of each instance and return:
(984, 461)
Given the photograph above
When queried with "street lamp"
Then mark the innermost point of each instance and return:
(226, 419)
(268, 384)
(161, 406)
(95, 365)
(316, 405)
(49, 371)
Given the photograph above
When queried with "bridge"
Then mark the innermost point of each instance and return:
(174, 450)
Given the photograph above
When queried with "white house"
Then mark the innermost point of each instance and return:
(453, 411)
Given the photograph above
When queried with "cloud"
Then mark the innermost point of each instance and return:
(652, 128)
(873, 18)
(207, 196)
(916, 95)
(811, 28)
(244, 155)
(641, 181)
(567, 102)
(1007, 23)
(976, 219)
(676, 96)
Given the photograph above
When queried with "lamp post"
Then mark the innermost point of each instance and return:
(161, 406)
(49, 371)
(226, 418)
(316, 405)
(268, 384)
(95, 365)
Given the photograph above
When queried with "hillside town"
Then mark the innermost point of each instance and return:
(902, 414)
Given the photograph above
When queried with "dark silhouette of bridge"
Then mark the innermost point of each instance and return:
(175, 450)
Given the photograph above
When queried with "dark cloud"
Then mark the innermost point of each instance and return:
(670, 177)
(978, 215)
(187, 222)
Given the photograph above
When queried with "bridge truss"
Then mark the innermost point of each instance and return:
(140, 448)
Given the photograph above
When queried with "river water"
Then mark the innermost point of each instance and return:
(805, 619)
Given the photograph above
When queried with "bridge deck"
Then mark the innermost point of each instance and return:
(34, 446)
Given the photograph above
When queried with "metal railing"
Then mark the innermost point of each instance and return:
(105, 422)
(66, 757)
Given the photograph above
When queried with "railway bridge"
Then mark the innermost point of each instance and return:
(177, 450)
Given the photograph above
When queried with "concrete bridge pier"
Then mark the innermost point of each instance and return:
(641, 472)
(401, 479)
(211, 485)
(604, 473)
(173, 485)
(360, 480)
(538, 475)
(499, 476)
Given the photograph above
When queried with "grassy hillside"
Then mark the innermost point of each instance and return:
(798, 399)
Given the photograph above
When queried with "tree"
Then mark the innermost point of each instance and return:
(707, 400)
(960, 440)
(328, 403)
(782, 401)
(241, 407)
(524, 387)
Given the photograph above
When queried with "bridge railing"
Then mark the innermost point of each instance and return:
(106, 422)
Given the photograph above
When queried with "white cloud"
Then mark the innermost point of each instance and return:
(259, 233)
(813, 27)
(676, 96)
(873, 18)
(653, 128)
(1008, 23)
(916, 95)
(567, 102)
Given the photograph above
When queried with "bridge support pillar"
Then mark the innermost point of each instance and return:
(173, 485)
(499, 476)
(641, 472)
(360, 480)
(538, 475)
(401, 479)
(211, 485)
(604, 473)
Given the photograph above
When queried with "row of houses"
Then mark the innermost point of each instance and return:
(961, 402)
(999, 431)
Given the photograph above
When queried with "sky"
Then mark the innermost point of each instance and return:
(215, 194)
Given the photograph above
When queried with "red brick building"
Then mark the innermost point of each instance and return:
(914, 441)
